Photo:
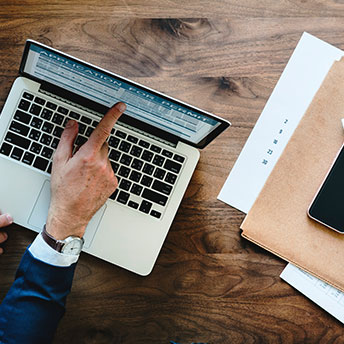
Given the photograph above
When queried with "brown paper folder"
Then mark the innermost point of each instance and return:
(278, 220)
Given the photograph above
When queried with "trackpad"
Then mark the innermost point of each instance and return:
(39, 214)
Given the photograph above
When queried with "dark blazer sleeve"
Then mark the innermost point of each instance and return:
(35, 303)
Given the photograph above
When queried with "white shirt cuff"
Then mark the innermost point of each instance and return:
(42, 251)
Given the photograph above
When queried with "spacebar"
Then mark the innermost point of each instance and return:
(154, 196)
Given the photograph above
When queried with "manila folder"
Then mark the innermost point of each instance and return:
(278, 220)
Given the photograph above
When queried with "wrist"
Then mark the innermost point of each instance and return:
(60, 229)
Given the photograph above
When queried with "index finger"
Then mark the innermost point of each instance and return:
(103, 129)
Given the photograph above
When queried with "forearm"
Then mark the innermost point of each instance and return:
(35, 303)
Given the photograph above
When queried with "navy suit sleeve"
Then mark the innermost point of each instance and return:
(35, 303)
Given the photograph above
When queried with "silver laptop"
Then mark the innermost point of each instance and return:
(153, 150)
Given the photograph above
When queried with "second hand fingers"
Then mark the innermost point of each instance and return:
(103, 129)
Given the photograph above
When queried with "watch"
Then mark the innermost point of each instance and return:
(71, 245)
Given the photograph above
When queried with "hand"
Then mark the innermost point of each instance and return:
(5, 220)
(81, 183)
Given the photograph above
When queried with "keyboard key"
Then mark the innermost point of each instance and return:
(80, 140)
(95, 123)
(159, 173)
(86, 120)
(74, 115)
(125, 184)
(135, 176)
(114, 155)
(50, 167)
(34, 134)
(136, 189)
(158, 160)
(5, 149)
(137, 164)
(167, 153)
(19, 128)
(113, 142)
(28, 96)
(82, 128)
(36, 122)
(113, 196)
(146, 181)
(24, 104)
(17, 153)
(147, 155)
(62, 110)
(41, 163)
(170, 178)
(51, 106)
(46, 139)
(148, 168)
(155, 214)
(57, 119)
(28, 158)
(115, 166)
(155, 149)
(162, 187)
(132, 139)
(121, 134)
(46, 114)
(172, 166)
(47, 152)
(17, 140)
(136, 151)
(145, 206)
(22, 117)
(124, 146)
(124, 171)
(143, 144)
(89, 131)
(35, 109)
(58, 131)
(126, 159)
(133, 204)
(55, 143)
(47, 127)
(154, 197)
(179, 158)
(39, 101)
(123, 197)
(35, 147)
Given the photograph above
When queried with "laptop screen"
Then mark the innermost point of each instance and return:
(181, 120)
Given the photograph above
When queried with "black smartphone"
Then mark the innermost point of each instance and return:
(328, 204)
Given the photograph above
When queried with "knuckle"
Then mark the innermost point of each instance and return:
(104, 131)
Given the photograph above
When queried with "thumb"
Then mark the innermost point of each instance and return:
(65, 148)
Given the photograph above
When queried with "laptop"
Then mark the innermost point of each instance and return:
(153, 150)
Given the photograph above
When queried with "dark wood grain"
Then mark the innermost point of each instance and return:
(209, 285)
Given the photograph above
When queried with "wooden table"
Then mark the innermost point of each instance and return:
(209, 285)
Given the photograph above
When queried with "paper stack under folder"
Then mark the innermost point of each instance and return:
(278, 219)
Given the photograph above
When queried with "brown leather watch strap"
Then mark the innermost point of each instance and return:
(51, 241)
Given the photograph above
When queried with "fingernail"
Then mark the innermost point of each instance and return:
(9, 218)
(121, 107)
(70, 124)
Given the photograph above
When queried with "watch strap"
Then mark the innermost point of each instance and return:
(51, 241)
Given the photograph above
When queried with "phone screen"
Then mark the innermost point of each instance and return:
(328, 205)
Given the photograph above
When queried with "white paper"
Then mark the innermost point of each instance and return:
(300, 80)
(324, 295)
(302, 77)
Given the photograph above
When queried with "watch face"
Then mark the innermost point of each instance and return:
(73, 247)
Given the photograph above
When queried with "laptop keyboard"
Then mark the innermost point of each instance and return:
(146, 172)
